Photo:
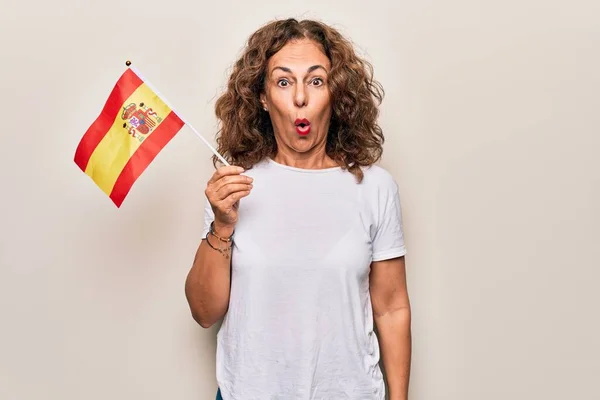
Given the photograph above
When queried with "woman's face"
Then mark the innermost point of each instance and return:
(297, 97)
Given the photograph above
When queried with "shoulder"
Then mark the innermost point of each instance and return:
(377, 178)
(260, 167)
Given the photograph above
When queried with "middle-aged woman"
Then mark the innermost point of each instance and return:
(303, 248)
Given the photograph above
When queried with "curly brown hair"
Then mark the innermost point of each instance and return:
(354, 139)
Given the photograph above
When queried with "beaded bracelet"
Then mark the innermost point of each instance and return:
(225, 251)
(211, 230)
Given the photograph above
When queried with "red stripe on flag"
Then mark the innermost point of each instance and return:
(125, 86)
(144, 155)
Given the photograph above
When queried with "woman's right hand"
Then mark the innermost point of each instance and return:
(224, 190)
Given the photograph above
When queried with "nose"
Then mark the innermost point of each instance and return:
(300, 97)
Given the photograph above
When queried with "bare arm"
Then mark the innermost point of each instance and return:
(391, 308)
(208, 282)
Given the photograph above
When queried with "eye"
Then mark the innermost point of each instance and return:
(283, 83)
(317, 81)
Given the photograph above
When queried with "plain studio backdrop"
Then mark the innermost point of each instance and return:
(492, 121)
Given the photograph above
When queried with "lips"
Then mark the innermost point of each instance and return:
(302, 126)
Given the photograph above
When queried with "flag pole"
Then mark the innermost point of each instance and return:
(128, 64)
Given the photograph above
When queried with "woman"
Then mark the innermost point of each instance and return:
(303, 253)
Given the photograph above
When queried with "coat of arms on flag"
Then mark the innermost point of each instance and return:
(132, 128)
(140, 120)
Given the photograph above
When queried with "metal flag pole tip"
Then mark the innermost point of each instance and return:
(128, 63)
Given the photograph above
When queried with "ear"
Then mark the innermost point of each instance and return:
(263, 101)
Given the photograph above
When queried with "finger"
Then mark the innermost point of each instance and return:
(225, 171)
(230, 180)
(234, 198)
(232, 188)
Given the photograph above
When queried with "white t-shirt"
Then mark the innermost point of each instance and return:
(300, 323)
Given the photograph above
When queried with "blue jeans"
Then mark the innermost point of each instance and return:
(219, 395)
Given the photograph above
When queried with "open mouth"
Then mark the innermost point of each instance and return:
(302, 126)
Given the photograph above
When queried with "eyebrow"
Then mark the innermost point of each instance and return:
(309, 70)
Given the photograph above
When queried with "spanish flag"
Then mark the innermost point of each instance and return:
(133, 127)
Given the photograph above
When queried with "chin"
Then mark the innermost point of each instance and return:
(303, 143)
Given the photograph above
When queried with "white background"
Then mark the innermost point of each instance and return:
(491, 115)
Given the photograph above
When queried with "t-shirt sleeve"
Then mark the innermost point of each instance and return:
(209, 216)
(388, 235)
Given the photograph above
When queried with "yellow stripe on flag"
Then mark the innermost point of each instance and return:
(116, 148)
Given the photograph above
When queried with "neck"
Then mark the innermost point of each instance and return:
(318, 160)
